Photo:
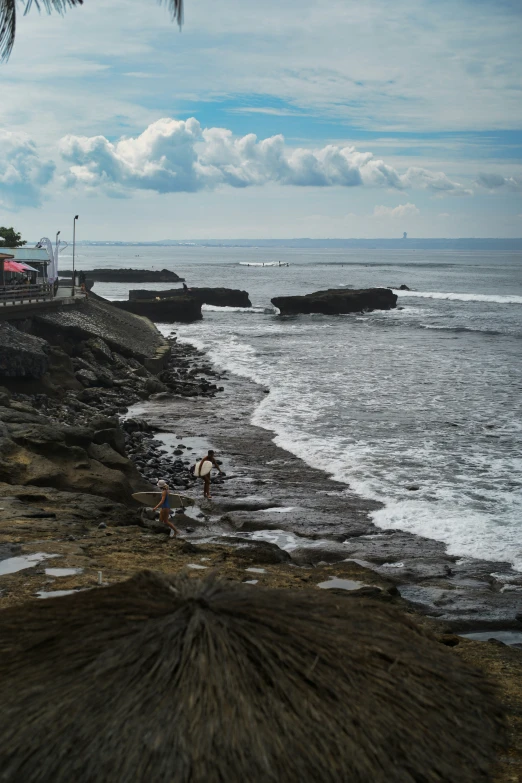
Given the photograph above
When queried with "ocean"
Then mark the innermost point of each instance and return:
(419, 407)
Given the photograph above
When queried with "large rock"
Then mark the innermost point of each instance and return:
(220, 297)
(128, 275)
(55, 510)
(182, 308)
(21, 355)
(67, 458)
(113, 436)
(87, 377)
(337, 301)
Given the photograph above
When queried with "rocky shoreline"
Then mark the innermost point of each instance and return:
(99, 424)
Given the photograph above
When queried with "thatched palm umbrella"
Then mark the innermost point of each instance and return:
(187, 681)
(8, 16)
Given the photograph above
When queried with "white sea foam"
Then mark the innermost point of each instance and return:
(385, 407)
(495, 298)
(255, 310)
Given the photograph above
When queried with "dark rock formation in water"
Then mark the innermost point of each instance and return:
(220, 297)
(182, 308)
(128, 275)
(180, 305)
(121, 684)
(336, 301)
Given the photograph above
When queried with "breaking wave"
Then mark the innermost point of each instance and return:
(494, 298)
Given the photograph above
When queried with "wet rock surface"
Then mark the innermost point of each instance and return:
(336, 301)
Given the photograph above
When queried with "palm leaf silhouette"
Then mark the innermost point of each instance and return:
(8, 10)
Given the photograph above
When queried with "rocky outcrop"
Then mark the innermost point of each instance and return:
(61, 430)
(99, 320)
(30, 512)
(219, 297)
(337, 301)
(75, 459)
(21, 355)
(128, 275)
(183, 308)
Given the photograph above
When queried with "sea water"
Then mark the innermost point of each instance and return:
(418, 407)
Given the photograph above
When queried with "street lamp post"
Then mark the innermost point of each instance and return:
(54, 287)
(74, 248)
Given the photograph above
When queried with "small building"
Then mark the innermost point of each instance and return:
(36, 257)
(4, 257)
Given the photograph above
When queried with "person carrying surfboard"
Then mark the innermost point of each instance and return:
(164, 508)
(203, 468)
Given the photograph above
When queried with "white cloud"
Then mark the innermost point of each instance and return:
(178, 156)
(22, 173)
(402, 211)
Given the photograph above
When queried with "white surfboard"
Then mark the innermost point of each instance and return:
(203, 468)
(151, 499)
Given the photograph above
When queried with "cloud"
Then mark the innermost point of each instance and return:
(402, 211)
(497, 181)
(22, 173)
(179, 156)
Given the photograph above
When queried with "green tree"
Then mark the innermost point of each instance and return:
(8, 16)
(10, 238)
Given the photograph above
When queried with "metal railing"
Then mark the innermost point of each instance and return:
(24, 294)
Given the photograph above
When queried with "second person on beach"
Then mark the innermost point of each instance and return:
(164, 508)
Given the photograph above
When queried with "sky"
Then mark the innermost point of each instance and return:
(335, 118)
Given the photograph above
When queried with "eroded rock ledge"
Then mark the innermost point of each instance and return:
(337, 301)
(181, 308)
(220, 297)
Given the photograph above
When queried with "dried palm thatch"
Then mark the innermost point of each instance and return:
(8, 16)
(180, 680)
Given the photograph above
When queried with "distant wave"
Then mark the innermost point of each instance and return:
(265, 263)
(462, 329)
(216, 309)
(495, 298)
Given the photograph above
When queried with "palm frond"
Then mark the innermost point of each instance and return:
(51, 5)
(7, 27)
(8, 16)
(175, 7)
